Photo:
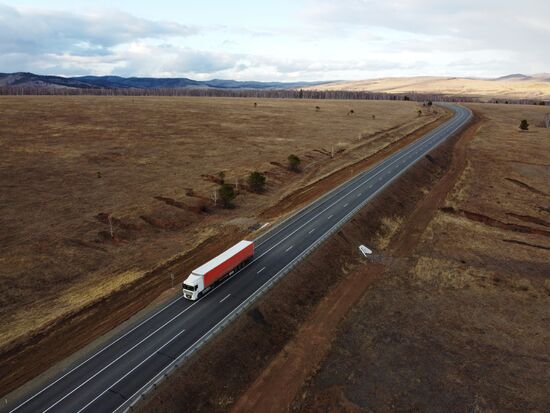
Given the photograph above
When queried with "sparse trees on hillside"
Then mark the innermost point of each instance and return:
(317, 108)
(294, 163)
(419, 112)
(227, 194)
(256, 181)
(524, 125)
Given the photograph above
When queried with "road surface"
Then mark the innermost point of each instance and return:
(119, 372)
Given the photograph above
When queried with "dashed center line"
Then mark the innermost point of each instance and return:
(345, 205)
(225, 298)
(289, 248)
(310, 232)
(261, 270)
(330, 216)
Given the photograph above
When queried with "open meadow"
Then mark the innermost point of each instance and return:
(97, 191)
(459, 321)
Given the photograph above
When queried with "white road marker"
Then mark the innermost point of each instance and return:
(225, 298)
(311, 232)
(330, 216)
(289, 248)
(261, 270)
(345, 205)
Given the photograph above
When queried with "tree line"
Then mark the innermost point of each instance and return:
(250, 93)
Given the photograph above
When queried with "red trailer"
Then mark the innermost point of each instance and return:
(227, 263)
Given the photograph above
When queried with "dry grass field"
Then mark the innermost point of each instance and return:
(151, 163)
(461, 322)
(453, 86)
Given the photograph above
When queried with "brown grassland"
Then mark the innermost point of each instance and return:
(459, 321)
(452, 86)
(151, 164)
(451, 314)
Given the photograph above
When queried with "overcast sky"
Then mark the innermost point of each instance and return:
(275, 40)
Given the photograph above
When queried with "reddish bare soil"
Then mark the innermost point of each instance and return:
(271, 348)
(154, 227)
(459, 320)
(297, 362)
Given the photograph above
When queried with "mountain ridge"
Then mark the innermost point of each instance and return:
(26, 79)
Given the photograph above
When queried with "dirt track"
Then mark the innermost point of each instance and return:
(276, 332)
(459, 320)
(79, 326)
(297, 362)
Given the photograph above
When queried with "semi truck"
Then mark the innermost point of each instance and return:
(208, 275)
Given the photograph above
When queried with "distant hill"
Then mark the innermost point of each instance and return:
(22, 79)
(515, 86)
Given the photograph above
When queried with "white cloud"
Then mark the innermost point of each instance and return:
(327, 40)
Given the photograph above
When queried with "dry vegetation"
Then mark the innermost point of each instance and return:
(69, 165)
(483, 88)
(461, 324)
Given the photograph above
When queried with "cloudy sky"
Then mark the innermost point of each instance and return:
(275, 40)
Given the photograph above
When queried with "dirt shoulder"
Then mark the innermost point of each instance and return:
(92, 306)
(459, 319)
(272, 343)
(297, 363)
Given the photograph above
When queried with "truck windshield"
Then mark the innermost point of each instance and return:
(189, 287)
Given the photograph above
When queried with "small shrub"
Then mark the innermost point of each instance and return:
(227, 194)
(256, 181)
(524, 125)
(294, 163)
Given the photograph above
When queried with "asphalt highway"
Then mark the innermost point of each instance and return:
(124, 366)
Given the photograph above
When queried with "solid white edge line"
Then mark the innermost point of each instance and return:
(131, 371)
(208, 332)
(430, 135)
(96, 354)
(406, 152)
(117, 359)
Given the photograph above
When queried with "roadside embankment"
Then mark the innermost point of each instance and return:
(281, 340)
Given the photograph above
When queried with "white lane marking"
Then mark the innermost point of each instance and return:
(131, 371)
(225, 298)
(228, 315)
(330, 216)
(112, 362)
(99, 352)
(424, 143)
(359, 194)
(311, 232)
(345, 205)
(263, 268)
(406, 151)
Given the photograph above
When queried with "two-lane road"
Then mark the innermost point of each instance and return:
(126, 365)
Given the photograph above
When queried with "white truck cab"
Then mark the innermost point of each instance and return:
(192, 286)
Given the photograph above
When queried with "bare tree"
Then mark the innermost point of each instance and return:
(111, 226)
